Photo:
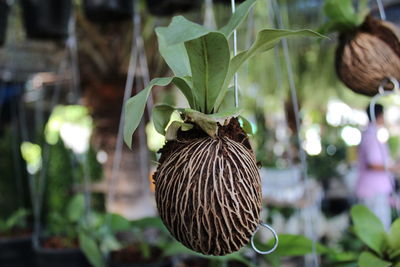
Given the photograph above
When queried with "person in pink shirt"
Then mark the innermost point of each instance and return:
(375, 181)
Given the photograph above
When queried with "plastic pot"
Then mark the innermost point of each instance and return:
(170, 7)
(4, 10)
(108, 10)
(16, 252)
(47, 19)
(46, 257)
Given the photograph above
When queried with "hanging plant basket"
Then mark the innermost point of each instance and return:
(368, 55)
(108, 10)
(170, 7)
(4, 11)
(207, 184)
(47, 19)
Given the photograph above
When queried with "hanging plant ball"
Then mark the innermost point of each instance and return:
(170, 7)
(4, 10)
(207, 184)
(108, 10)
(368, 55)
(208, 190)
(46, 19)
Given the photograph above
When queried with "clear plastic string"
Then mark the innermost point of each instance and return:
(127, 93)
(294, 99)
(235, 78)
(381, 8)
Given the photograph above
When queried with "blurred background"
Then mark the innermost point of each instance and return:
(72, 195)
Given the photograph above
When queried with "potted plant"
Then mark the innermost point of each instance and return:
(4, 10)
(108, 10)
(382, 248)
(136, 249)
(368, 49)
(47, 19)
(60, 244)
(170, 7)
(15, 240)
(207, 184)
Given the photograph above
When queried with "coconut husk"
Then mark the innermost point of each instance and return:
(368, 55)
(208, 190)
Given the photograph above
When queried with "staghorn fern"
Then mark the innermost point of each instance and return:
(207, 188)
(201, 60)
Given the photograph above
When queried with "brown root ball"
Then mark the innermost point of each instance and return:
(365, 57)
(208, 194)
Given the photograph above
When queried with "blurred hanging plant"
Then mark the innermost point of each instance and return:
(383, 248)
(209, 133)
(369, 48)
(342, 16)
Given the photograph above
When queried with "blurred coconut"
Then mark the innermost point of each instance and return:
(368, 55)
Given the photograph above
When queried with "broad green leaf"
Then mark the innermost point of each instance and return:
(76, 208)
(293, 245)
(175, 55)
(161, 116)
(246, 125)
(228, 101)
(237, 18)
(209, 58)
(91, 250)
(109, 243)
(118, 223)
(394, 235)
(185, 85)
(181, 30)
(265, 40)
(174, 127)
(368, 259)
(368, 228)
(134, 108)
(17, 219)
(150, 222)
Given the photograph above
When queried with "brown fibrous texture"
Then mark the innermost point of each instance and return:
(208, 190)
(365, 57)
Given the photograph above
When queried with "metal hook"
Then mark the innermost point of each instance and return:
(395, 83)
(275, 237)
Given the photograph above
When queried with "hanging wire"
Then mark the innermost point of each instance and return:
(294, 99)
(72, 46)
(127, 93)
(381, 8)
(209, 19)
(279, 79)
(38, 204)
(235, 79)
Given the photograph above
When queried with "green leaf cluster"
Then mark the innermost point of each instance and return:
(342, 16)
(17, 220)
(201, 61)
(383, 247)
